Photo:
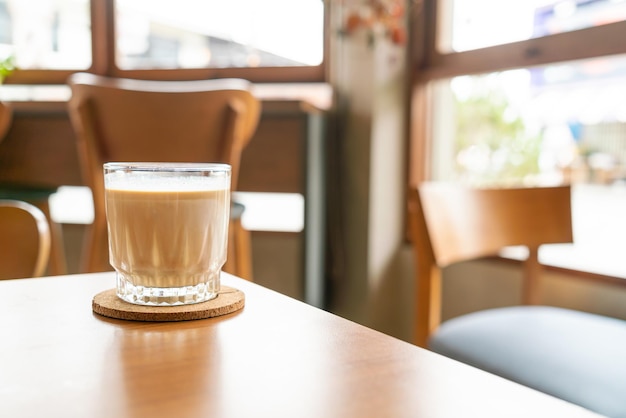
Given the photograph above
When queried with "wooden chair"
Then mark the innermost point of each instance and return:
(572, 355)
(38, 196)
(24, 240)
(180, 121)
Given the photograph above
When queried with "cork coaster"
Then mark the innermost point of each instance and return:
(227, 301)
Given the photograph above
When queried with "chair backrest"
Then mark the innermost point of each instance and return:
(452, 223)
(139, 120)
(24, 240)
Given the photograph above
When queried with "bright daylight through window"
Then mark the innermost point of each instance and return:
(161, 34)
(216, 33)
(46, 34)
(556, 123)
(560, 122)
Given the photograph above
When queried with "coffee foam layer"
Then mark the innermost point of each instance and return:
(164, 183)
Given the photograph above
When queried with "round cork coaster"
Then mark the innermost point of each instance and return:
(108, 304)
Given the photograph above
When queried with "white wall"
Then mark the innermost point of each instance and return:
(375, 263)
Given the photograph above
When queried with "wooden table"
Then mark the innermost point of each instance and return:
(277, 357)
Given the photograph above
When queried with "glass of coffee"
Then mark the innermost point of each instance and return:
(168, 230)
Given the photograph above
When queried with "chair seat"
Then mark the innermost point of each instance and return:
(553, 350)
(236, 210)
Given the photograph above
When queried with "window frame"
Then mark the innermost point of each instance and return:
(102, 14)
(429, 65)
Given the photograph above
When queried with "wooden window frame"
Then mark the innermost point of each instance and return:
(103, 60)
(428, 65)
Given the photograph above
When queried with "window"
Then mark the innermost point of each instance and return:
(532, 97)
(470, 24)
(545, 89)
(215, 33)
(564, 122)
(270, 40)
(44, 34)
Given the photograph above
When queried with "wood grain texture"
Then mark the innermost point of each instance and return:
(276, 357)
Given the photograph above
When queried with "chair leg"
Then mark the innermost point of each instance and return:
(243, 249)
(57, 264)
(95, 250)
(239, 260)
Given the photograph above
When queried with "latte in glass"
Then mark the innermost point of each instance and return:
(168, 230)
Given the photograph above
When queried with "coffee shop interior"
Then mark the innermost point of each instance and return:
(361, 102)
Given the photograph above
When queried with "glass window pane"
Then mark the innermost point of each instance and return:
(562, 122)
(473, 24)
(46, 34)
(219, 34)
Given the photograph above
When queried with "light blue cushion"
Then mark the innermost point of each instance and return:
(576, 356)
